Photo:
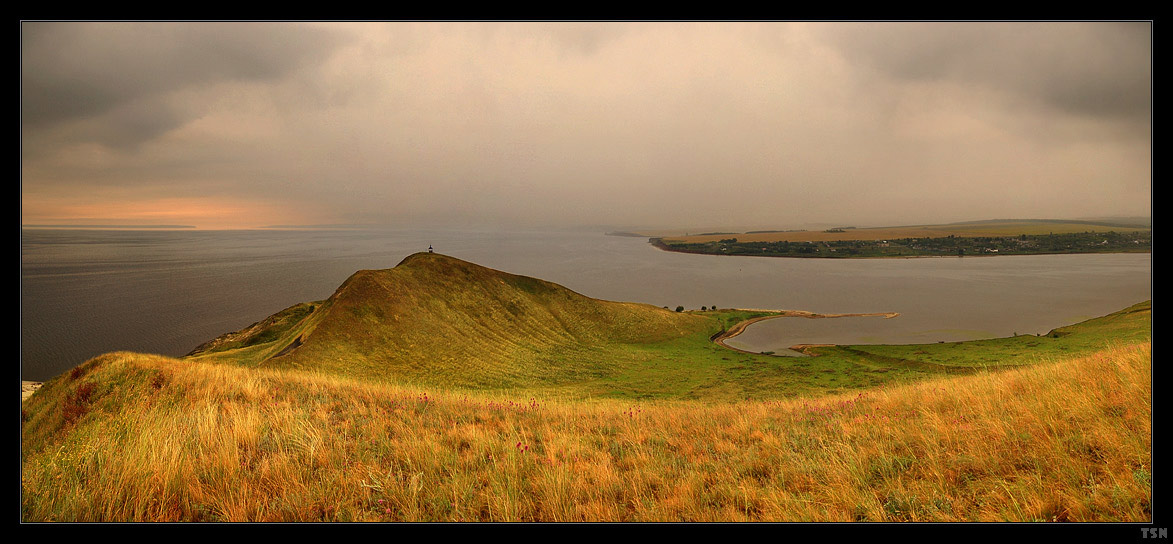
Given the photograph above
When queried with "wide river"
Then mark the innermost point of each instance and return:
(83, 293)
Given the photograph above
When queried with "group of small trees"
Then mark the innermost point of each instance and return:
(703, 308)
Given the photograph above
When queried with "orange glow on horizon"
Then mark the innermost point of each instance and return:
(208, 213)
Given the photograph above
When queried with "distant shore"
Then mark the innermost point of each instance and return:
(825, 250)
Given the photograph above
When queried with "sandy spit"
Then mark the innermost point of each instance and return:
(28, 388)
(740, 327)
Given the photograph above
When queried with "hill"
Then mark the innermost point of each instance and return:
(440, 320)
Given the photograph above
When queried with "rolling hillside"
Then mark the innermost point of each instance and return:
(437, 319)
(133, 437)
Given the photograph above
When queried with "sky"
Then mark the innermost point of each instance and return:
(567, 124)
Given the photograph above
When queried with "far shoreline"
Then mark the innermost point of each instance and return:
(655, 242)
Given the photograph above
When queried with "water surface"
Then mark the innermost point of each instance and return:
(84, 293)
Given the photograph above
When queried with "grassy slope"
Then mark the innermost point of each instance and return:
(442, 322)
(1132, 324)
(271, 329)
(439, 320)
(131, 437)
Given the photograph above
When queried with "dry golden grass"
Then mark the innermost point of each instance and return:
(159, 439)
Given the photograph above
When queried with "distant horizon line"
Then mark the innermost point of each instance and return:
(343, 226)
(38, 226)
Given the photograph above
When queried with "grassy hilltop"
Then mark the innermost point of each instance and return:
(444, 391)
(441, 320)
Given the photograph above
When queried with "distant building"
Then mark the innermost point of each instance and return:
(429, 248)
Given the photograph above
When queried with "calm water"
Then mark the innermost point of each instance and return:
(84, 293)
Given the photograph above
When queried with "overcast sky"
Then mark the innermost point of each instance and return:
(631, 125)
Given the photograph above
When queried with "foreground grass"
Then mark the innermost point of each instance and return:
(131, 437)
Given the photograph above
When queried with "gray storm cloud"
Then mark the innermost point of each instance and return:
(632, 124)
(77, 71)
(1095, 69)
